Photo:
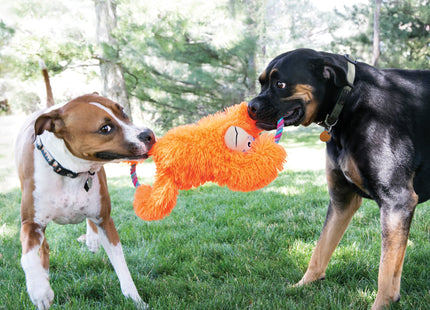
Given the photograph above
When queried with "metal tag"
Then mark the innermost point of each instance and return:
(88, 184)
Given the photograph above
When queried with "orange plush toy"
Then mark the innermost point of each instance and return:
(225, 148)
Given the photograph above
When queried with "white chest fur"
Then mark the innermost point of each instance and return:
(62, 199)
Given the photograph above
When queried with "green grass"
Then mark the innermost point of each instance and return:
(307, 137)
(220, 250)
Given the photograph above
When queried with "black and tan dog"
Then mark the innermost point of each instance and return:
(377, 127)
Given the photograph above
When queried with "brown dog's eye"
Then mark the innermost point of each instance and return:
(280, 84)
(106, 129)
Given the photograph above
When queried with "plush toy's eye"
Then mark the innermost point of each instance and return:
(237, 139)
(281, 84)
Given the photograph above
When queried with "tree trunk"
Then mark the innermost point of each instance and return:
(251, 34)
(376, 44)
(111, 70)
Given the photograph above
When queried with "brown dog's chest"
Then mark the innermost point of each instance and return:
(62, 199)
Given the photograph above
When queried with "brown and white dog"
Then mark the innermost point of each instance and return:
(60, 154)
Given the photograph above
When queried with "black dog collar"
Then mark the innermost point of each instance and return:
(332, 118)
(58, 168)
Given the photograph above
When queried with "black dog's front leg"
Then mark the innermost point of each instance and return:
(344, 202)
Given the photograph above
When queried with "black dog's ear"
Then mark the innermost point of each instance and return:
(336, 74)
(335, 68)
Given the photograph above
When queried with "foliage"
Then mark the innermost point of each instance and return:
(56, 32)
(26, 101)
(58, 47)
(183, 73)
(404, 31)
(6, 34)
(185, 59)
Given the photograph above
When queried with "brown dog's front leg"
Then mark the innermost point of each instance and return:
(110, 240)
(36, 266)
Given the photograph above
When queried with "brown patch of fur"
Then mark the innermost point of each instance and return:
(93, 226)
(30, 237)
(25, 174)
(304, 92)
(271, 74)
(263, 77)
(107, 223)
(44, 254)
(351, 171)
(110, 230)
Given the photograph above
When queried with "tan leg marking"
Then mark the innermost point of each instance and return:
(395, 233)
(333, 230)
(343, 205)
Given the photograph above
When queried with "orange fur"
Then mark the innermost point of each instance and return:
(190, 155)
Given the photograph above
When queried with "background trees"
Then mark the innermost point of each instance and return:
(180, 60)
(111, 68)
(404, 31)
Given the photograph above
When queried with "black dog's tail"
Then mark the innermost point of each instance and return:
(49, 96)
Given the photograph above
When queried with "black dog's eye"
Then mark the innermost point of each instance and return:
(281, 84)
(106, 129)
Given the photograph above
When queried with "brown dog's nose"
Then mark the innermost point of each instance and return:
(253, 107)
(147, 137)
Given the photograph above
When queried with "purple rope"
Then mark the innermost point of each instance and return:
(134, 175)
(279, 130)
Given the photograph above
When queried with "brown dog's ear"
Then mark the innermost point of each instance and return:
(50, 121)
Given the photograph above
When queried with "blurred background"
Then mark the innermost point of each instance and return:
(172, 62)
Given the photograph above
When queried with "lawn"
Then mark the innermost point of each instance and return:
(222, 250)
